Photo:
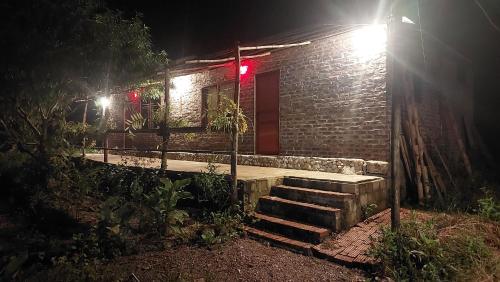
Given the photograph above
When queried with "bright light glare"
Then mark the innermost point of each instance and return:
(104, 102)
(243, 69)
(182, 85)
(369, 41)
(407, 20)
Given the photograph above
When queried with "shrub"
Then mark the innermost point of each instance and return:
(222, 226)
(488, 207)
(212, 189)
(162, 202)
(420, 251)
(368, 210)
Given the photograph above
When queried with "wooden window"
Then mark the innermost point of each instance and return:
(146, 107)
(212, 97)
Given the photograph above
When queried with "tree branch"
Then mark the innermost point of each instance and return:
(24, 116)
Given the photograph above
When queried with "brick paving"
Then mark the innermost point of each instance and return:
(351, 247)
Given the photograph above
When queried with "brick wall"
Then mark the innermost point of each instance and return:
(332, 103)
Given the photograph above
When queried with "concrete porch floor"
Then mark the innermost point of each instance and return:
(245, 172)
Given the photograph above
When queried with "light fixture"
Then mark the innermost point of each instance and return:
(243, 69)
(369, 41)
(182, 85)
(105, 102)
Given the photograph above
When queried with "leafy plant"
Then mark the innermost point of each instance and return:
(222, 226)
(368, 210)
(212, 189)
(135, 122)
(488, 207)
(163, 200)
(222, 119)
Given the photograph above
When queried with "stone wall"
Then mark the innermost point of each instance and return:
(333, 104)
(336, 165)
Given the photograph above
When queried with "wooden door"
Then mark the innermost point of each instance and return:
(267, 113)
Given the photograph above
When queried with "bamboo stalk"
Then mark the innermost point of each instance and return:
(445, 166)
(405, 157)
(461, 146)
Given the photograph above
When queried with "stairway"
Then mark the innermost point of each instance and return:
(303, 212)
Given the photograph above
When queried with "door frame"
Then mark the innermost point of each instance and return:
(278, 70)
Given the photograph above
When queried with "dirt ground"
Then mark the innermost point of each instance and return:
(240, 260)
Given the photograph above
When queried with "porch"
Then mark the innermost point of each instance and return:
(296, 209)
(245, 172)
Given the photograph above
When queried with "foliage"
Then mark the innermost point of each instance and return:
(163, 200)
(368, 210)
(222, 118)
(135, 122)
(426, 251)
(223, 226)
(488, 207)
(212, 189)
(152, 91)
(89, 51)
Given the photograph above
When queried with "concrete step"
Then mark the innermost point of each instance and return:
(370, 185)
(305, 212)
(320, 197)
(292, 229)
(278, 240)
(326, 185)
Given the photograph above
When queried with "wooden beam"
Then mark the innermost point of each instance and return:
(228, 59)
(166, 135)
(395, 129)
(106, 145)
(234, 139)
(84, 121)
(274, 46)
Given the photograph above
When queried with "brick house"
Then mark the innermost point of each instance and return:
(324, 106)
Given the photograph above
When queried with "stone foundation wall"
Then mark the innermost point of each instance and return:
(336, 165)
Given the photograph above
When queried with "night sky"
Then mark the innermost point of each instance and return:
(191, 27)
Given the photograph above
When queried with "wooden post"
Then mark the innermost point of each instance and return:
(165, 134)
(105, 145)
(395, 125)
(84, 122)
(234, 139)
(124, 118)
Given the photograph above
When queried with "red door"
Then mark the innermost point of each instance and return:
(267, 113)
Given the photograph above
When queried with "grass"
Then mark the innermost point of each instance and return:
(457, 247)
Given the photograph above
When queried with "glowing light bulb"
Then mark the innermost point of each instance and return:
(104, 102)
(369, 41)
(243, 69)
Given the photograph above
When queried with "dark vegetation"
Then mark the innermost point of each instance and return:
(91, 213)
(459, 241)
(62, 216)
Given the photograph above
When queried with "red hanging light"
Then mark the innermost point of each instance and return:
(133, 95)
(243, 69)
